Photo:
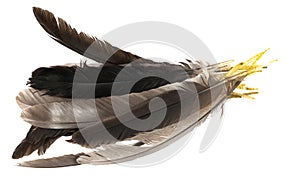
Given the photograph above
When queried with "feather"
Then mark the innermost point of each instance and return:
(39, 139)
(90, 82)
(62, 161)
(30, 97)
(119, 153)
(89, 46)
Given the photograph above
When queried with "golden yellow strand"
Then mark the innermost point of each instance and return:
(247, 68)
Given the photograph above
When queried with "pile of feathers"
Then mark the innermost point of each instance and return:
(124, 97)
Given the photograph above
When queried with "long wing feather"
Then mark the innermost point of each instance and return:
(89, 46)
(119, 153)
(90, 82)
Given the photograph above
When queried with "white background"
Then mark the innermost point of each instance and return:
(259, 140)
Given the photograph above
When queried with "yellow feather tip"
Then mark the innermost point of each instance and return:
(247, 68)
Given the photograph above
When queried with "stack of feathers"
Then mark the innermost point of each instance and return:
(123, 98)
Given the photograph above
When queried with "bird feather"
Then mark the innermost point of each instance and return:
(98, 82)
(89, 46)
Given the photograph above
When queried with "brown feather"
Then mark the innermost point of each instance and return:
(89, 46)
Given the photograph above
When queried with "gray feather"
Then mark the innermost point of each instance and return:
(62, 161)
(30, 97)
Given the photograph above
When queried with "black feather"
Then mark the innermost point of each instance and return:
(91, 82)
(39, 139)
